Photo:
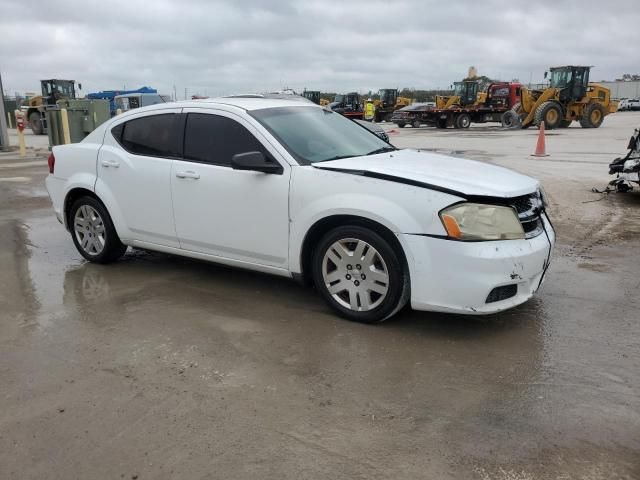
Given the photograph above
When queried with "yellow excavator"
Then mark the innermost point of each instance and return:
(569, 97)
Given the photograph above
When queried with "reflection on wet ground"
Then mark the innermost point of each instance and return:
(212, 345)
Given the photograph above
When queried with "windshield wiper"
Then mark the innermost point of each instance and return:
(337, 157)
(382, 150)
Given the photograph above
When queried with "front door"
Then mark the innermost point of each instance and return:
(234, 214)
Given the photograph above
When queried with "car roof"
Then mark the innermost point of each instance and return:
(245, 102)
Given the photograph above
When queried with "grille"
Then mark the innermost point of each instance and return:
(528, 208)
(524, 203)
(502, 293)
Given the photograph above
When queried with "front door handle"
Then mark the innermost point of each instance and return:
(110, 163)
(188, 174)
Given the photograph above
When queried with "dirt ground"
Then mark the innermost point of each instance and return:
(159, 367)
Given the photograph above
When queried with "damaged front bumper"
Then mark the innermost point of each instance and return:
(476, 277)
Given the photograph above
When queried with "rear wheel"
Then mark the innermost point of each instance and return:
(550, 113)
(360, 275)
(35, 120)
(463, 120)
(592, 116)
(93, 232)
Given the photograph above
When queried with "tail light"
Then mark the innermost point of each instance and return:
(52, 162)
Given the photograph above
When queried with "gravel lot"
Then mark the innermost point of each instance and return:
(160, 367)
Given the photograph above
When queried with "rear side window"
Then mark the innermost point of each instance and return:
(215, 139)
(152, 136)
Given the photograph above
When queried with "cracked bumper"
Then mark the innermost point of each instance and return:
(457, 277)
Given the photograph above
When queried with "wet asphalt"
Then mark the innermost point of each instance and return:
(161, 367)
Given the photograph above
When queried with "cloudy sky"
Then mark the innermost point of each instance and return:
(222, 47)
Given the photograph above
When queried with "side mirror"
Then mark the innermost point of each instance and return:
(255, 161)
(545, 74)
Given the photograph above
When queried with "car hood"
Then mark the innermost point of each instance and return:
(439, 172)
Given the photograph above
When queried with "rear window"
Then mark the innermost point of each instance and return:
(152, 136)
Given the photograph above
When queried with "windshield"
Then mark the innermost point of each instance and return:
(312, 134)
(560, 78)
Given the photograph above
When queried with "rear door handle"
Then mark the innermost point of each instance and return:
(188, 174)
(110, 163)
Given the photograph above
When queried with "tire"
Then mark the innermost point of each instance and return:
(345, 289)
(511, 119)
(463, 120)
(565, 123)
(93, 232)
(549, 112)
(592, 116)
(35, 121)
(401, 124)
(516, 107)
(416, 124)
(441, 123)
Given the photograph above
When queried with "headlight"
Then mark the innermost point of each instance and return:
(474, 221)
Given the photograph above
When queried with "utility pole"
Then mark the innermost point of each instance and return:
(4, 134)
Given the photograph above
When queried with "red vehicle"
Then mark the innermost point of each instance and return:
(500, 98)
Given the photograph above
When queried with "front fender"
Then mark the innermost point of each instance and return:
(318, 194)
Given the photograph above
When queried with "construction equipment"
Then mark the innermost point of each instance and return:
(389, 101)
(52, 91)
(489, 106)
(568, 97)
(312, 95)
(465, 93)
(348, 105)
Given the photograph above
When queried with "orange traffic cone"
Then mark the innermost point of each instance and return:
(541, 149)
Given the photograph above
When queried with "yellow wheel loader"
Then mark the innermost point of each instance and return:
(569, 97)
(465, 94)
(52, 91)
(390, 101)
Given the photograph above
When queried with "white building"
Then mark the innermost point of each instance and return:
(629, 89)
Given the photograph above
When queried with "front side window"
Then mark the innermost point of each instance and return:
(150, 136)
(312, 134)
(215, 139)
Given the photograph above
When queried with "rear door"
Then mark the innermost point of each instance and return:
(233, 214)
(134, 168)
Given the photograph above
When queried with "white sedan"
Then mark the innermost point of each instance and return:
(293, 189)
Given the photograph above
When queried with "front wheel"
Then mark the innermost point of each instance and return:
(93, 232)
(360, 275)
(35, 121)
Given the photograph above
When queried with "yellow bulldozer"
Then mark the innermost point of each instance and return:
(569, 97)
